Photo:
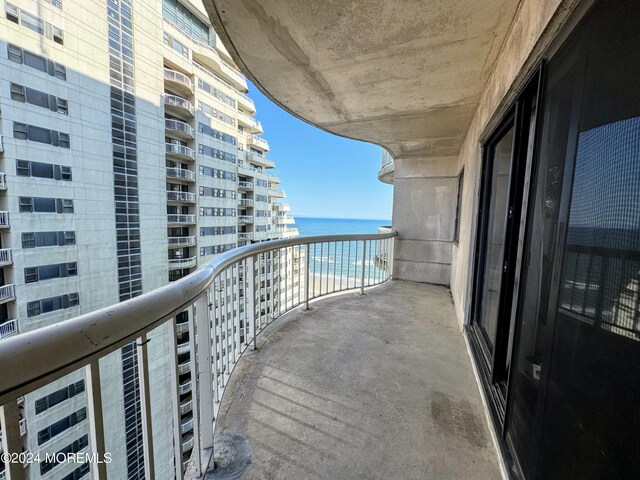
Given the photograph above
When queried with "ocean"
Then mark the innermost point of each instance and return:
(343, 259)
(337, 226)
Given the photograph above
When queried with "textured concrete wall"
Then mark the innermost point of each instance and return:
(534, 28)
(424, 202)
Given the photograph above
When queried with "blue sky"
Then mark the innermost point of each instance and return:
(322, 174)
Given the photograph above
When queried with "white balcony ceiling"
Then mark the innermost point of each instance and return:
(406, 74)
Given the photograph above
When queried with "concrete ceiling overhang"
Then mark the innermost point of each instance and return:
(405, 74)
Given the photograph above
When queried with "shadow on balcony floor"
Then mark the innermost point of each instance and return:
(373, 386)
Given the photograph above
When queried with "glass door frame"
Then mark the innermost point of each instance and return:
(491, 363)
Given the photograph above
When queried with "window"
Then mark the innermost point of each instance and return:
(25, 168)
(48, 239)
(61, 425)
(22, 131)
(58, 35)
(215, 249)
(47, 272)
(12, 13)
(45, 205)
(51, 304)
(59, 396)
(217, 134)
(215, 153)
(33, 23)
(204, 231)
(217, 192)
(18, 55)
(38, 98)
(456, 229)
(17, 92)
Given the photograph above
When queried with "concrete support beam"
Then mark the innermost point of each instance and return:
(424, 208)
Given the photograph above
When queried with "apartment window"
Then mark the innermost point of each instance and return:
(59, 396)
(19, 55)
(261, 228)
(51, 304)
(215, 249)
(261, 213)
(69, 451)
(261, 198)
(23, 131)
(187, 22)
(23, 94)
(25, 168)
(205, 231)
(33, 23)
(217, 134)
(217, 173)
(217, 192)
(60, 426)
(215, 153)
(217, 212)
(215, 113)
(261, 183)
(45, 205)
(456, 230)
(48, 239)
(47, 272)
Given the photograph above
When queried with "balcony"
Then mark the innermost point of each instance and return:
(245, 235)
(181, 174)
(7, 293)
(178, 219)
(258, 142)
(3, 181)
(5, 257)
(9, 328)
(179, 129)
(178, 81)
(387, 167)
(276, 192)
(184, 367)
(274, 179)
(4, 219)
(245, 202)
(259, 159)
(246, 102)
(186, 425)
(187, 444)
(179, 242)
(178, 105)
(183, 348)
(178, 263)
(186, 406)
(250, 124)
(180, 152)
(245, 218)
(181, 197)
(184, 387)
(245, 186)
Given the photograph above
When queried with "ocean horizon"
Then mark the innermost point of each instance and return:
(337, 226)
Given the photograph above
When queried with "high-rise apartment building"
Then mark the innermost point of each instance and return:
(130, 157)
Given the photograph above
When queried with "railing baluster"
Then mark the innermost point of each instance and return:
(195, 386)
(335, 263)
(11, 439)
(236, 310)
(313, 291)
(228, 307)
(364, 257)
(251, 298)
(306, 275)
(204, 382)
(96, 419)
(145, 405)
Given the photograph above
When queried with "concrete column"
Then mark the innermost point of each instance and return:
(424, 209)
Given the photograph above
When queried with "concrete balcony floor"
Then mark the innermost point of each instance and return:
(378, 386)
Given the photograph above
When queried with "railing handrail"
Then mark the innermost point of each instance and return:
(98, 333)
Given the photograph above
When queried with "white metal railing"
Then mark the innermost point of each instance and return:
(178, 77)
(245, 219)
(176, 196)
(276, 192)
(178, 126)
(186, 406)
(254, 157)
(245, 202)
(181, 219)
(179, 102)
(9, 328)
(3, 181)
(186, 425)
(245, 235)
(176, 263)
(245, 185)
(182, 241)
(180, 150)
(4, 219)
(246, 100)
(5, 257)
(7, 292)
(183, 173)
(261, 142)
(274, 178)
(299, 271)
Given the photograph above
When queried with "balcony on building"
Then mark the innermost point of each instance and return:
(259, 142)
(177, 105)
(174, 196)
(4, 219)
(9, 328)
(181, 219)
(180, 263)
(7, 293)
(245, 236)
(245, 185)
(181, 174)
(179, 129)
(276, 192)
(6, 257)
(250, 124)
(180, 152)
(180, 242)
(178, 81)
(387, 167)
(258, 159)
(3, 181)
(245, 219)
(245, 202)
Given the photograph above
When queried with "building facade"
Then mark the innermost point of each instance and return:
(130, 157)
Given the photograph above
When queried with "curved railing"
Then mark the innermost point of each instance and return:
(228, 303)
